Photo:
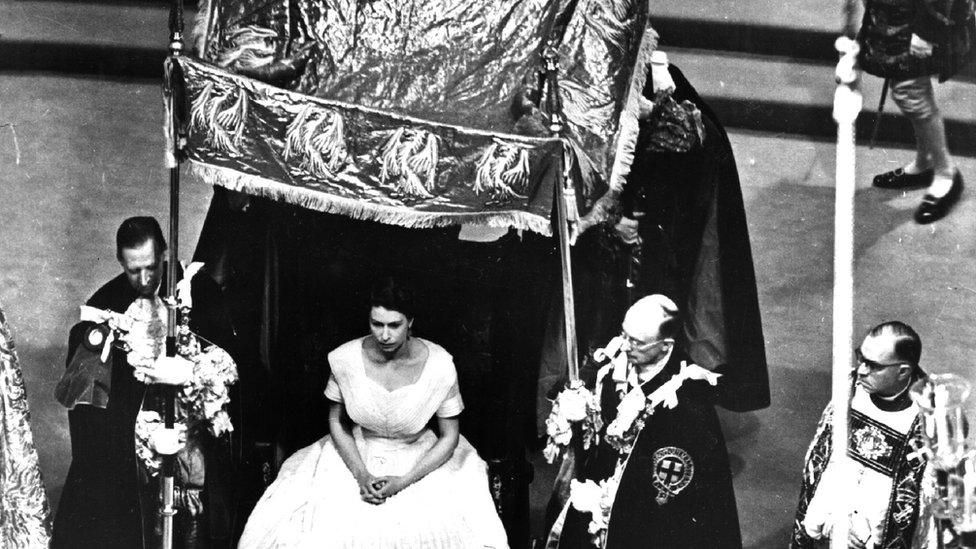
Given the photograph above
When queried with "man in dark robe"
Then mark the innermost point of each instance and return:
(669, 464)
(684, 202)
(105, 503)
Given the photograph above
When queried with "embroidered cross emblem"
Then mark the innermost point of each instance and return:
(670, 470)
(673, 470)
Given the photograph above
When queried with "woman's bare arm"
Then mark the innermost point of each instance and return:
(340, 429)
(447, 440)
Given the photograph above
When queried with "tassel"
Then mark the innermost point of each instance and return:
(169, 131)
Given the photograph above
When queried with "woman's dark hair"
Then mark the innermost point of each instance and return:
(392, 296)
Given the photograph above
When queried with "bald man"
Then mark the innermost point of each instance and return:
(675, 486)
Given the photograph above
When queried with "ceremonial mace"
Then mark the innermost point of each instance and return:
(172, 97)
(847, 105)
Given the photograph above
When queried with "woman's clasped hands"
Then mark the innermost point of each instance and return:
(377, 490)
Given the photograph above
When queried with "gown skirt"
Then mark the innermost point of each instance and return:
(315, 501)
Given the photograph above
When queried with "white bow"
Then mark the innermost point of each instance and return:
(667, 393)
(183, 296)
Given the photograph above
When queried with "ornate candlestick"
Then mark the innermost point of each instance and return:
(944, 401)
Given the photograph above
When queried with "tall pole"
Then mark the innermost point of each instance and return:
(172, 163)
(847, 105)
(565, 208)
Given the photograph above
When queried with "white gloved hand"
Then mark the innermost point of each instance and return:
(660, 76)
(920, 47)
(166, 370)
(168, 442)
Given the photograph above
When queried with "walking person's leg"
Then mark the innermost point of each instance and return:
(916, 99)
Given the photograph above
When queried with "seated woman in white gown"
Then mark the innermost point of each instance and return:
(383, 477)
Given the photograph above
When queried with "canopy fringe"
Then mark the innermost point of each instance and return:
(358, 209)
(606, 207)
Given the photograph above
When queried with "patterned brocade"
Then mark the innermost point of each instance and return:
(363, 162)
(24, 512)
(875, 445)
(421, 113)
(876, 449)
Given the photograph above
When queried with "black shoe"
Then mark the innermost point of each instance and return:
(899, 179)
(933, 209)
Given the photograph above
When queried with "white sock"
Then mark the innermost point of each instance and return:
(913, 168)
(941, 184)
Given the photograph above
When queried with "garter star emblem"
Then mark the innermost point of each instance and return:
(673, 470)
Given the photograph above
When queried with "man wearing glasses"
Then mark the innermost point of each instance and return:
(662, 442)
(881, 476)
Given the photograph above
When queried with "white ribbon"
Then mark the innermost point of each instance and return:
(634, 401)
(113, 320)
(668, 392)
(116, 321)
(183, 296)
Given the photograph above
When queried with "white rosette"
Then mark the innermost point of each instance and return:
(573, 405)
(597, 500)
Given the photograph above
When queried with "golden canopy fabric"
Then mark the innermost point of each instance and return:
(456, 85)
(24, 511)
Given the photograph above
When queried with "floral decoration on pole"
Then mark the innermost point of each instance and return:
(573, 405)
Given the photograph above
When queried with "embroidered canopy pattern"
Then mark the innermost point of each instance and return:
(362, 162)
(24, 512)
(419, 113)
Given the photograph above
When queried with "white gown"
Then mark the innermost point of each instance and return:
(315, 500)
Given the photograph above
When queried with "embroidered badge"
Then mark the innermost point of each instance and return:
(871, 443)
(673, 470)
(875, 445)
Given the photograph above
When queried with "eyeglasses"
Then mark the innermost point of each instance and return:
(641, 345)
(872, 365)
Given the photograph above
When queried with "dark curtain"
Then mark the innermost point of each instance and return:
(297, 283)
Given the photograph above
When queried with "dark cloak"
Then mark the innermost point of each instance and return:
(103, 505)
(696, 251)
(703, 514)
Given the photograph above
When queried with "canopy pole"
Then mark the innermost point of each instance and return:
(172, 322)
(566, 213)
(847, 105)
